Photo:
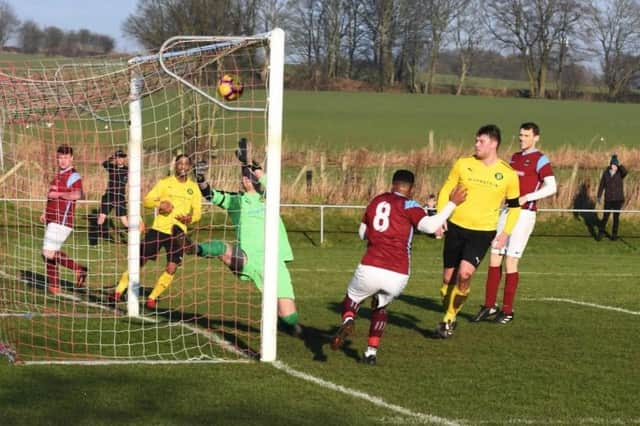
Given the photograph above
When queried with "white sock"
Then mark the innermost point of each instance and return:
(370, 351)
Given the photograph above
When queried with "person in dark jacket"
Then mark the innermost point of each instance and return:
(611, 186)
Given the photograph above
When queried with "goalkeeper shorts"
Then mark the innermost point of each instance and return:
(253, 270)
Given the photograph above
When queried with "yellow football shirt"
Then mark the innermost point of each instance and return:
(185, 198)
(487, 188)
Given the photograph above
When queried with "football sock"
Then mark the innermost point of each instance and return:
(445, 293)
(66, 261)
(291, 319)
(349, 308)
(510, 286)
(52, 272)
(376, 328)
(123, 283)
(213, 248)
(162, 284)
(456, 301)
(494, 275)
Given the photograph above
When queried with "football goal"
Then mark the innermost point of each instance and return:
(126, 120)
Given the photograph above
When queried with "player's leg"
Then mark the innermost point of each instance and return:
(55, 236)
(391, 285)
(603, 222)
(215, 248)
(174, 246)
(359, 288)
(149, 249)
(121, 214)
(517, 245)
(451, 256)
(287, 309)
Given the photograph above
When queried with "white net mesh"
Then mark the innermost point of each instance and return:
(207, 313)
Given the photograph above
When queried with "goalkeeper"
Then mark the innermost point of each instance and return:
(246, 259)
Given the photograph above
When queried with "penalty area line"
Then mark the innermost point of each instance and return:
(587, 304)
(363, 395)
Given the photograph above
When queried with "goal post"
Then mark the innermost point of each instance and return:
(153, 107)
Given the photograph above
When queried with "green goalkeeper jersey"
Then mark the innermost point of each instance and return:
(247, 211)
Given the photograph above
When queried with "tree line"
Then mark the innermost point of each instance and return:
(403, 42)
(50, 40)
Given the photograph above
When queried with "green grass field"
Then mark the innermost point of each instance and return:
(390, 121)
(571, 356)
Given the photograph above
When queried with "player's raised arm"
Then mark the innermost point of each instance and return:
(430, 224)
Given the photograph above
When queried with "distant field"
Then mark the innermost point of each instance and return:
(391, 121)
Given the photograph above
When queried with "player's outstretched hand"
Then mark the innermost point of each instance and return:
(458, 195)
(165, 207)
(184, 218)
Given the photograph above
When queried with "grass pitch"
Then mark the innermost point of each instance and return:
(570, 356)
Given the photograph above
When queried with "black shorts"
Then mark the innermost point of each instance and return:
(465, 244)
(113, 201)
(173, 244)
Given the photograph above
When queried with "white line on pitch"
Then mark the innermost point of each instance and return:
(362, 395)
(588, 304)
(439, 271)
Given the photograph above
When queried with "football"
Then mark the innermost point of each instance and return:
(230, 87)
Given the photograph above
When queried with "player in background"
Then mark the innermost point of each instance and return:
(115, 196)
(179, 203)
(471, 229)
(536, 181)
(64, 190)
(246, 210)
(388, 225)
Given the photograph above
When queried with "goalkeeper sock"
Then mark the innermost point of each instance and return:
(123, 283)
(213, 248)
(456, 301)
(162, 284)
(291, 319)
(510, 286)
(494, 275)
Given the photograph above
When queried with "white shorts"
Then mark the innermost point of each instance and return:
(55, 236)
(519, 237)
(369, 280)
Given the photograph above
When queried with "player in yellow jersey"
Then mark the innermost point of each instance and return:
(471, 229)
(179, 203)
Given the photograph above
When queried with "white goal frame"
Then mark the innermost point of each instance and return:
(273, 113)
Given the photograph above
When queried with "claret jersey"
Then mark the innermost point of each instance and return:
(391, 219)
(59, 210)
(531, 167)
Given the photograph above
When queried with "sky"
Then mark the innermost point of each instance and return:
(98, 16)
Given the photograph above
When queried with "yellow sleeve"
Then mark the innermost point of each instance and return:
(153, 197)
(196, 205)
(447, 187)
(513, 192)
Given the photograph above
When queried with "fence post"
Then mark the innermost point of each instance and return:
(321, 224)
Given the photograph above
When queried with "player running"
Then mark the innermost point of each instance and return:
(472, 227)
(536, 182)
(64, 190)
(387, 225)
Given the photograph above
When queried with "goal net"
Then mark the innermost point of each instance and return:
(140, 113)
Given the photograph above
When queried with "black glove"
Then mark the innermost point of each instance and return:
(200, 170)
(242, 151)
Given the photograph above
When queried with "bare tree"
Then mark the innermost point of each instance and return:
(440, 14)
(354, 35)
(9, 22)
(469, 37)
(569, 14)
(305, 35)
(380, 18)
(533, 29)
(615, 27)
(156, 20)
(53, 38)
(412, 39)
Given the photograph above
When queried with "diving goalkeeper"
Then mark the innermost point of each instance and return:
(246, 258)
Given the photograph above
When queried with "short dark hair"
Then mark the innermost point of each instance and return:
(530, 125)
(181, 156)
(120, 154)
(64, 149)
(490, 130)
(403, 176)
